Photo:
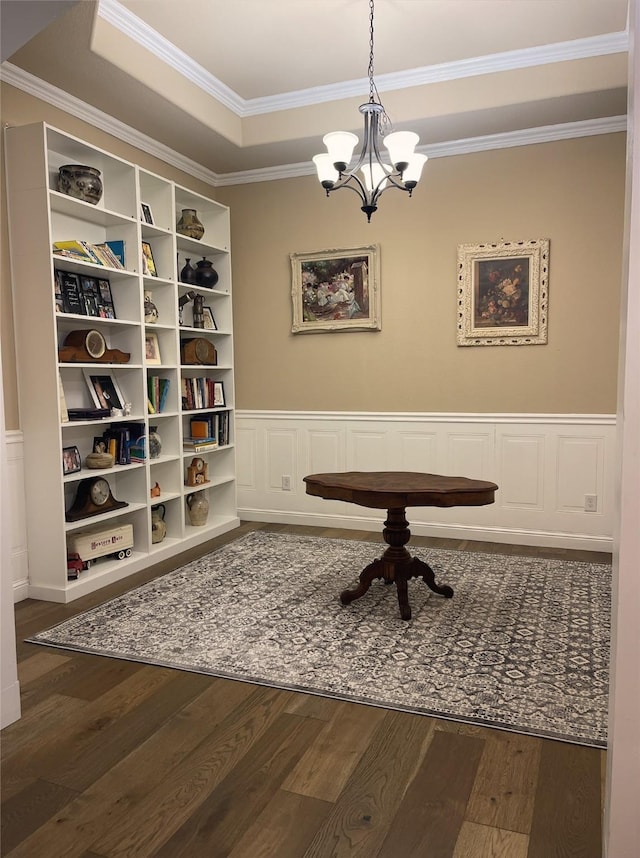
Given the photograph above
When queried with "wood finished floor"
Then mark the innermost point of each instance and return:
(113, 758)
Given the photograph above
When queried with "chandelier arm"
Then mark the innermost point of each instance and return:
(348, 182)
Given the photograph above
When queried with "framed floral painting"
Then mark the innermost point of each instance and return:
(336, 290)
(503, 293)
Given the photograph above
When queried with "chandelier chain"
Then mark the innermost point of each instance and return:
(371, 84)
(374, 96)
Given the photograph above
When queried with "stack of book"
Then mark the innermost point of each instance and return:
(199, 445)
(210, 427)
(109, 253)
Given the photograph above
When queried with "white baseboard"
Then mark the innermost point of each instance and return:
(578, 542)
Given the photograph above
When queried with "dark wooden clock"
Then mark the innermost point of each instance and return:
(198, 351)
(89, 346)
(93, 497)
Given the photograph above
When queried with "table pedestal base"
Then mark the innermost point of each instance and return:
(396, 565)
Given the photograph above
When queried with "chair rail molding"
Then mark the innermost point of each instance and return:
(555, 471)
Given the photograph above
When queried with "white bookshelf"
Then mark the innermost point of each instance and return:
(38, 216)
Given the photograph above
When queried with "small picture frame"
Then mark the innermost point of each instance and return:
(148, 262)
(152, 349)
(218, 395)
(71, 461)
(104, 390)
(100, 444)
(209, 321)
(145, 211)
(106, 307)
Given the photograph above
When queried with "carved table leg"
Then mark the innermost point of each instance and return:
(369, 573)
(396, 564)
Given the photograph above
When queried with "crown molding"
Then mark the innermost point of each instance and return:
(32, 85)
(81, 110)
(133, 27)
(526, 137)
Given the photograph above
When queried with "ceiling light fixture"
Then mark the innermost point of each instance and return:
(376, 175)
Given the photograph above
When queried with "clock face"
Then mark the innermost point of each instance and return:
(198, 464)
(100, 492)
(95, 344)
(202, 349)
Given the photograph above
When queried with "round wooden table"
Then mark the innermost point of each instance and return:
(395, 491)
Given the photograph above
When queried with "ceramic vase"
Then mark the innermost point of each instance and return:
(81, 182)
(189, 224)
(158, 526)
(206, 274)
(188, 273)
(150, 309)
(155, 443)
(198, 508)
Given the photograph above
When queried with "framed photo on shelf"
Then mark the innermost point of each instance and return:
(218, 394)
(336, 290)
(106, 307)
(91, 295)
(145, 211)
(148, 262)
(209, 321)
(503, 293)
(71, 461)
(152, 349)
(104, 390)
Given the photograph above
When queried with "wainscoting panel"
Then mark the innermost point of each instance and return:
(544, 466)
(17, 514)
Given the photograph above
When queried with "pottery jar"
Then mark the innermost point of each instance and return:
(189, 224)
(155, 443)
(188, 273)
(81, 182)
(158, 526)
(150, 309)
(206, 274)
(198, 508)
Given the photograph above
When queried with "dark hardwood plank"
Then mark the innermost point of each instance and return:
(431, 813)
(26, 811)
(482, 841)
(115, 796)
(504, 788)
(169, 805)
(82, 727)
(48, 717)
(220, 820)
(566, 812)
(284, 828)
(359, 821)
(334, 752)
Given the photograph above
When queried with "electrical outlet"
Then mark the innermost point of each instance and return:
(591, 503)
(286, 484)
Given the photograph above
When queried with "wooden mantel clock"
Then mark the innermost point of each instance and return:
(197, 472)
(93, 497)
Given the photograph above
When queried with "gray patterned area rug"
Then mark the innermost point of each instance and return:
(523, 645)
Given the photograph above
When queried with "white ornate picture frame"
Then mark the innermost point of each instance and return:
(336, 290)
(503, 293)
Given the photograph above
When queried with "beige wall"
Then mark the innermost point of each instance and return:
(570, 192)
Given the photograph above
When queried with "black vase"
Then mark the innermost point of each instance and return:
(188, 273)
(206, 274)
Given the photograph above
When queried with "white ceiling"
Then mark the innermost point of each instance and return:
(252, 85)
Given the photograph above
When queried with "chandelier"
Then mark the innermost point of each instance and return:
(377, 176)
